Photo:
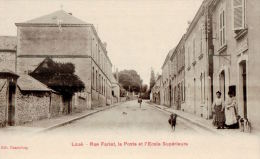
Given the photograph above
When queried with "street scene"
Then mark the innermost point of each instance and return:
(88, 76)
(129, 117)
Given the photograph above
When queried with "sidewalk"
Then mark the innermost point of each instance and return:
(202, 122)
(52, 123)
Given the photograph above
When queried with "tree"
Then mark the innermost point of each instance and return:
(144, 88)
(59, 77)
(152, 79)
(130, 80)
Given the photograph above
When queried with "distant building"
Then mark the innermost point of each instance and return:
(177, 75)
(166, 81)
(156, 91)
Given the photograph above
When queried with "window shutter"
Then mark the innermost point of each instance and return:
(238, 14)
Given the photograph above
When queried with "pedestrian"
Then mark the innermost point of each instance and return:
(230, 111)
(218, 106)
(140, 101)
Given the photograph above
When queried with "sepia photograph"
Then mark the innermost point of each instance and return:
(132, 79)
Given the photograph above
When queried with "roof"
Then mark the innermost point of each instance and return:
(28, 83)
(6, 72)
(168, 56)
(8, 43)
(56, 17)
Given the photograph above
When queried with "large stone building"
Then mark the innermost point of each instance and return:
(65, 38)
(156, 91)
(62, 38)
(8, 53)
(166, 91)
(221, 54)
(177, 75)
(235, 30)
(198, 66)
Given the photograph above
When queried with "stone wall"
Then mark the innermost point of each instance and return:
(98, 99)
(80, 102)
(31, 106)
(56, 106)
(3, 101)
(7, 60)
(46, 40)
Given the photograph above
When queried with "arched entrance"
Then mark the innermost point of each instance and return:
(222, 83)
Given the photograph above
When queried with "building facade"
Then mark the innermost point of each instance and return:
(236, 53)
(65, 38)
(178, 74)
(58, 37)
(166, 91)
(156, 92)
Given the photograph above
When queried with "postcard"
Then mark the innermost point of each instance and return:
(132, 79)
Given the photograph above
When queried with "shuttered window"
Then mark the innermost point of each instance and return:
(222, 28)
(238, 14)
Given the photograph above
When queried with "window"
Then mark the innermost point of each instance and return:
(183, 91)
(201, 40)
(201, 88)
(239, 15)
(222, 28)
(96, 80)
(96, 52)
(93, 77)
(194, 48)
(99, 83)
(188, 56)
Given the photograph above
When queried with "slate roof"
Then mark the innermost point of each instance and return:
(28, 83)
(54, 17)
(8, 43)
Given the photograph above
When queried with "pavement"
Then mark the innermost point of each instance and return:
(129, 118)
(111, 132)
(52, 123)
(202, 122)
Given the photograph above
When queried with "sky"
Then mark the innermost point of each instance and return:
(139, 33)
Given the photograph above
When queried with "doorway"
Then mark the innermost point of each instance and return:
(194, 95)
(222, 82)
(11, 104)
(243, 87)
(67, 102)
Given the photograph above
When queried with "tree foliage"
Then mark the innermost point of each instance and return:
(59, 77)
(130, 80)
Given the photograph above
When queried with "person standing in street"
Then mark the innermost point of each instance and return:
(218, 106)
(140, 101)
(230, 111)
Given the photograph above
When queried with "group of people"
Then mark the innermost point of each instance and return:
(225, 112)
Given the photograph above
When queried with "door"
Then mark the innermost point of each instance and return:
(194, 96)
(222, 85)
(244, 76)
(178, 97)
(11, 103)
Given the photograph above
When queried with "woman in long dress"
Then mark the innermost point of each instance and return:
(230, 111)
(218, 106)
